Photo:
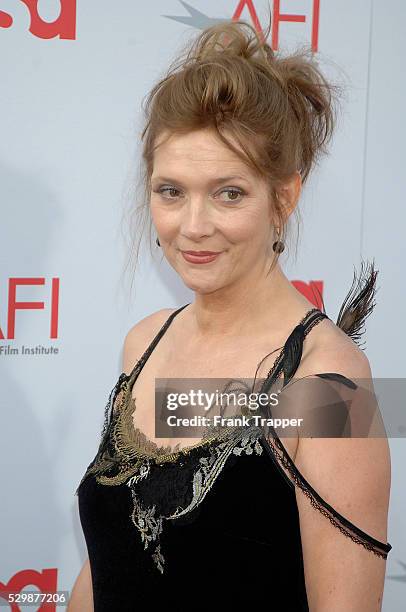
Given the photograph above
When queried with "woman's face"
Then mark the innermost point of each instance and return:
(204, 198)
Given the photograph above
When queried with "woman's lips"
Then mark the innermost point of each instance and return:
(200, 256)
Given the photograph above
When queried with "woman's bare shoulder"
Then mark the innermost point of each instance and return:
(330, 349)
(140, 336)
(351, 473)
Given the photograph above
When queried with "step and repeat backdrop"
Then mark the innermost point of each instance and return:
(73, 76)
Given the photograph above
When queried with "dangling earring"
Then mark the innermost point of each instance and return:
(157, 242)
(278, 246)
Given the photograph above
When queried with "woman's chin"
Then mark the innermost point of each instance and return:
(199, 286)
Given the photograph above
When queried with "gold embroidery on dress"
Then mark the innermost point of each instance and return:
(132, 447)
(131, 442)
(150, 526)
(134, 454)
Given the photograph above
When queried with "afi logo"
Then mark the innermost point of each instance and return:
(313, 291)
(278, 18)
(13, 305)
(45, 581)
(200, 20)
(64, 26)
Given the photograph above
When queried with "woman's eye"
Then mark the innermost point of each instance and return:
(235, 194)
(169, 191)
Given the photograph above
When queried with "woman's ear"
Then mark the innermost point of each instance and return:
(289, 194)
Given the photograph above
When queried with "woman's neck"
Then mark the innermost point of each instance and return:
(271, 301)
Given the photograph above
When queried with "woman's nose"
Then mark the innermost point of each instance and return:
(196, 219)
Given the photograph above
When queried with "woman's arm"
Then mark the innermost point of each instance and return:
(353, 476)
(81, 599)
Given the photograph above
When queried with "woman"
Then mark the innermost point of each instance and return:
(239, 515)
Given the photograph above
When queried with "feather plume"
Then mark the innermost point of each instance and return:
(359, 302)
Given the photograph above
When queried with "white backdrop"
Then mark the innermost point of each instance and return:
(70, 122)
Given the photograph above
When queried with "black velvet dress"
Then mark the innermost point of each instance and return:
(215, 523)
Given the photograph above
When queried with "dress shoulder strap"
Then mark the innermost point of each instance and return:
(159, 335)
(144, 357)
(290, 356)
(312, 317)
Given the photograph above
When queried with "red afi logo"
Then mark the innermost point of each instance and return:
(278, 18)
(13, 305)
(313, 291)
(45, 581)
(64, 26)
